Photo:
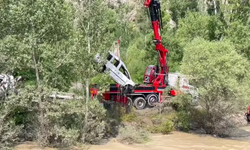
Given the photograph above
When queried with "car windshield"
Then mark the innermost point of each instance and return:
(124, 71)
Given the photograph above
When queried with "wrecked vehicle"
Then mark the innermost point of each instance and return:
(8, 85)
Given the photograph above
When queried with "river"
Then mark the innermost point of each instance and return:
(174, 141)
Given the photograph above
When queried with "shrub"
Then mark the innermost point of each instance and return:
(129, 117)
(183, 121)
(222, 76)
(164, 128)
(162, 123)
(63, 121)
(130, 134)
(183, 107)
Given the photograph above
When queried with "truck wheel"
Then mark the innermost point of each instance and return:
(107, 106)
(140, 103)
(130, 102)
(248, 118)
(129, 105)
(151, 99)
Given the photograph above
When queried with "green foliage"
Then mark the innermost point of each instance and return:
(136, 61)
(196, 25)
(184, 121)
(59, 40)
(173, 44)
(36, 34)
(239, 34)
(43, 19)
(179, 8)
(130, 135)
(183, 106)
(162, 123)
(216, 69)
(222, 77)
(165, 127)
(182, 102)
(18, 119)
(67, 123)
(63, 120)
(129, 117)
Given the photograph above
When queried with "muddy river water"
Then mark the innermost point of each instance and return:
(174, 141)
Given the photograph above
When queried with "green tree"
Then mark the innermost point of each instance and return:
(179, 8)
(198, 25)
(33, 37)
(234, 14)
(222, 77)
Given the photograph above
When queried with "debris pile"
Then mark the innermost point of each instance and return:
(8, 85)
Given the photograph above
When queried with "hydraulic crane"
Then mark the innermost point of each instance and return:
(155, 77)
(151, 74)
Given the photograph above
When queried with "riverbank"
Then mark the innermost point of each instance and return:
(174, 141)
(236, 139)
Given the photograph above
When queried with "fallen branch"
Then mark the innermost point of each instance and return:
(67, 96)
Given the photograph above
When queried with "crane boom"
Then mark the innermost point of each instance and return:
(160, 79)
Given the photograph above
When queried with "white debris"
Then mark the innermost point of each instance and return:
(7, 85)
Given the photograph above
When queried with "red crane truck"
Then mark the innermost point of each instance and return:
(155, 76)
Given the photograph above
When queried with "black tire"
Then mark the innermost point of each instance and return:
(140, 103)
(151, 99)
(248, 118)
(107, 106)
(129, 105)
(130, 102)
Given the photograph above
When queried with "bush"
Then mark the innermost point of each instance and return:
(163, 123)
(183, 122)
(58, 123)
(130, 134)
(128, 117)
(183, 106)
(222, 76)
(164, 128)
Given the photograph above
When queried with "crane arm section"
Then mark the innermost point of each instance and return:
(155, 15)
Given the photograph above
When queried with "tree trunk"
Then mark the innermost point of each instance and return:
(36, 68)
(215, 7)
(42, 134)
(88, 40)
(87, 91)
(87, 100)
(86, 110)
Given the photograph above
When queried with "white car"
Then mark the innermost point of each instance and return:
(116, 69)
